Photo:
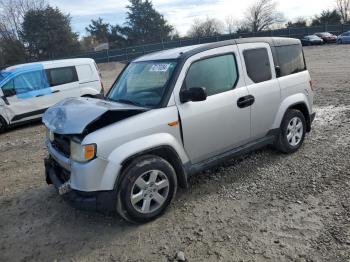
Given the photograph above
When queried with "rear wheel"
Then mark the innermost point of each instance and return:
(147, 188)
(292, 133)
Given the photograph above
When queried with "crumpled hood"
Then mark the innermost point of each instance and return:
(85, 115)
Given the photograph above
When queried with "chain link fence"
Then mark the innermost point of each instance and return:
(130, 53)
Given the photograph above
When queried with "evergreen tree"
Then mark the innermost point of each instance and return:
(144, 24)
(327, 17)
(47, 34)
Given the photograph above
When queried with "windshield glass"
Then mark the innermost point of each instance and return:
(3, 75)
(313, 37)
(143, 83)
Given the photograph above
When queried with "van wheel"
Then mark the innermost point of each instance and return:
(292, 132)
(147, 188)
(3, 125)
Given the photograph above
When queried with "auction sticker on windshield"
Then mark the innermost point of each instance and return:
(160, 68)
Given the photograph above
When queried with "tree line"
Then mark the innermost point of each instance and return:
(33, 30)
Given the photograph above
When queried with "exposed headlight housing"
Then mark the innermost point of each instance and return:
(50, 135)
(82, 153)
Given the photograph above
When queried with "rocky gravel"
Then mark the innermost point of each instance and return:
(264, 206)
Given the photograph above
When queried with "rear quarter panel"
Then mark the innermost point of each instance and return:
(295, 88)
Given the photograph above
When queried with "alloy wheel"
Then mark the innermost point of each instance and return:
(149, 191)
(295, 131)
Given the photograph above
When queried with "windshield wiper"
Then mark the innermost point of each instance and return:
(126, 101)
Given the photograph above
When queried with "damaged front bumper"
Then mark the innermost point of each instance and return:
(100, 201)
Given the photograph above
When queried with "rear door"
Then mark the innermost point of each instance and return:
(63, 82)
(263, 86)
(216, 125)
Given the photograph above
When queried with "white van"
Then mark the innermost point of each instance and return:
(27, 90)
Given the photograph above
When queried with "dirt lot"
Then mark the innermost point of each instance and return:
(262, 207)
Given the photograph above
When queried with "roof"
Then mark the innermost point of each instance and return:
(53, 62)
(185, 52)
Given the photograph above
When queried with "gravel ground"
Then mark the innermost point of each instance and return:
(261, 207)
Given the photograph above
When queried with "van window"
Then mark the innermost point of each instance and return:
(85, 73)
(9, 89)
(217, 74)
(62, 75)
(291, 59)
(27, 82)
(258, 64)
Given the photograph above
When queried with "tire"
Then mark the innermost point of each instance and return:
(292, 132)
(148, 185)
(3, 125)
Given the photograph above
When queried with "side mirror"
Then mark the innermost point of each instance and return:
(194, 94)
(9, 92)
(278, 71)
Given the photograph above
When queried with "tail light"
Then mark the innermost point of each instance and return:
(312, 85)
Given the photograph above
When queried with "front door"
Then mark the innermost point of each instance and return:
(27, 95)
(216, 125)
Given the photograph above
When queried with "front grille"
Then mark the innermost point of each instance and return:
(62, 144)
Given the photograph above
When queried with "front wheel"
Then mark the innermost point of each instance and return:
(3, 125)
(147, 188)
(292, 132)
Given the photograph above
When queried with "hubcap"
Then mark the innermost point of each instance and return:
(295, 131)
(149, 191)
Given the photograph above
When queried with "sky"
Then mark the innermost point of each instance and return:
(181, 13)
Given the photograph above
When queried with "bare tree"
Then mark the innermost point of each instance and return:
(231, 24)
(343, 7)
(12, 13)
(207, 27)
(262, 15)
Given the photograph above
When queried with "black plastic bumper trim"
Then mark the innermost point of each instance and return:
(100, 201)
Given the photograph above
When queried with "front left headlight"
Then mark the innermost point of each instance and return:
(82, 153)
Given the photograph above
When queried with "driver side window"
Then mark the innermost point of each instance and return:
(9, 89)
(28, 82)
(217, 74)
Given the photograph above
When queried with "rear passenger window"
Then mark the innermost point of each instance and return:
(258, 64)
(291, 59)
(62, 75)
(217, 74)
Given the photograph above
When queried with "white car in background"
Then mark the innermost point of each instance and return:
(27, 90)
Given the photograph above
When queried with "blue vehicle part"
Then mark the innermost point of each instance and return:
(33, 85)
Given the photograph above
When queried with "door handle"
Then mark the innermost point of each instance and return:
(39, 95)
(245, 101)
(56, 91)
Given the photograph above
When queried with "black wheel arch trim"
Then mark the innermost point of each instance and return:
(166, 152)
(302, 107)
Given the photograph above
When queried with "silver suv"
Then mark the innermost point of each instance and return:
(175, 113)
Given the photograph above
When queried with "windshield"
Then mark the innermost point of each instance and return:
(143, 83)
(313, 37)
(3, 75)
